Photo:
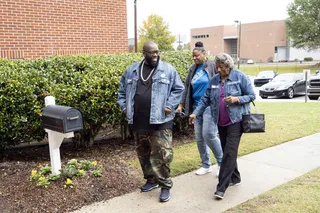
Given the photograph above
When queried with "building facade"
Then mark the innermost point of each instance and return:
(261, 41)
(41, 28)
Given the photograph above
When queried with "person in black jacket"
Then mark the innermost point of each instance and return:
(206, 131)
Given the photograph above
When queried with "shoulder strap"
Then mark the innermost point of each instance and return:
(256, 109)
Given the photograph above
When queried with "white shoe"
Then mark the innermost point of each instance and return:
(203, 171)
(218, 171)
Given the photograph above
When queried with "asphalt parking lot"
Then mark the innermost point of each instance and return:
(276, 99)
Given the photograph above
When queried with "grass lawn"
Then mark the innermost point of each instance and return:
(284, 122)
(299, 195)
(255, 69)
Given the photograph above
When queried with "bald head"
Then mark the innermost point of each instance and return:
(148, 45)
(151, 53)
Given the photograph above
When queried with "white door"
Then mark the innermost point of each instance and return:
(282, 54)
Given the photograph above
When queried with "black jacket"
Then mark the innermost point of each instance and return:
(186, 100)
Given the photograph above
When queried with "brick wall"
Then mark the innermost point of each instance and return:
(39, 28)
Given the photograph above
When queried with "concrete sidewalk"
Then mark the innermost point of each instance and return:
(260, 172)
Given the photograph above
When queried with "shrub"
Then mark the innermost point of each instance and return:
(21, 102)
(86, 82)
(308, 59)
(73, 168)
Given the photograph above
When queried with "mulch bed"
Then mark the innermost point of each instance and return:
(18, 194)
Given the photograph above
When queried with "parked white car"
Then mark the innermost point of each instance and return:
(250, 61)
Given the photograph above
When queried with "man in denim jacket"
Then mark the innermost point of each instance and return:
(149, 93)
(229, 95)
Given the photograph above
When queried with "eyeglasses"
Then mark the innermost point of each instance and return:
(157, 52)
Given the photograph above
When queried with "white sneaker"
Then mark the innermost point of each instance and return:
(218, 171)
(203, 171)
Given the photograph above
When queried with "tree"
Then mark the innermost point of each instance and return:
(156, 30)
(179, 47)
(182, 46)
(187, 46)
(303, 24)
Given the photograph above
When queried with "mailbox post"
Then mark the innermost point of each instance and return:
(55, 140)
(59, 122)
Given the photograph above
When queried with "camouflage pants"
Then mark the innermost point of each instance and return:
(155, 154)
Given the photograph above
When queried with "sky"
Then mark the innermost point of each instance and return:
(183, 15)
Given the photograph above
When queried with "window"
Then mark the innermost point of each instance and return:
(201, 36)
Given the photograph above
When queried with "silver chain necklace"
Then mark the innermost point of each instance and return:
(141, 73)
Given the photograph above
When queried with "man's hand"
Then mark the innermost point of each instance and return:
(124, 111)
(231, 100)
(167, 111)
(191, 118)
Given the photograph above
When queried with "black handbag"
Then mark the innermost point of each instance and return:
(253, 122)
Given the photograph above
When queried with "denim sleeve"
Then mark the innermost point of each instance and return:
(176, 91)
(248, 93)
(122, 92)
(204, 102)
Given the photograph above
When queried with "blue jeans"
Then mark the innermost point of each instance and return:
(206, 136)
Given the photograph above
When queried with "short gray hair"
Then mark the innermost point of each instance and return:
(225, 59)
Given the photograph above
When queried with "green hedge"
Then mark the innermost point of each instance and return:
(308, 59)
(87, 82)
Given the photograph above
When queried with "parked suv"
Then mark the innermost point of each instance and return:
(313, 89)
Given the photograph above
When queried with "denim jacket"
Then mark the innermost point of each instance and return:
(237, 84)
(167, 89)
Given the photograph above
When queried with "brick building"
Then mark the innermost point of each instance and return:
(261, 41)
(40, 28)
